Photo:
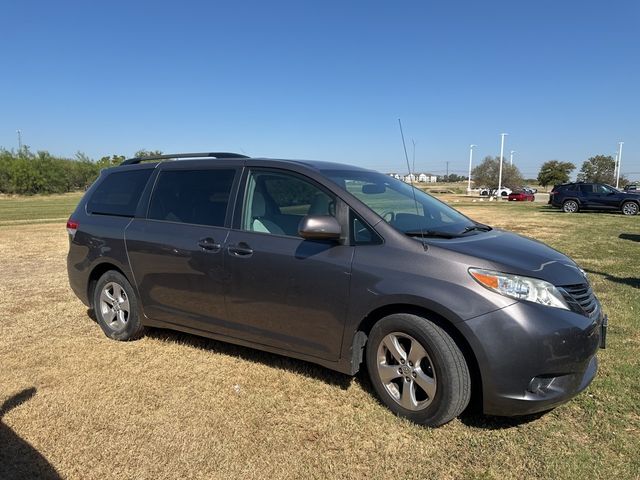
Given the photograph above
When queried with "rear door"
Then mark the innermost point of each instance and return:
(285, 291)
(177, 251)
(587, 198)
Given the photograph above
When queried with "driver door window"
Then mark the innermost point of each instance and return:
(276, 202)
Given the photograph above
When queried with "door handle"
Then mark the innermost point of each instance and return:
(240, 250)
(209, 243)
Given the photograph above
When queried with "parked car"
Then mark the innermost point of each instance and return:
(339, 266)
(502, 192)
(633, 188)
(521, 196)
(529, 189)
(573, 197)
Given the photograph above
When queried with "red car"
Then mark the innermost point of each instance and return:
(521, 196)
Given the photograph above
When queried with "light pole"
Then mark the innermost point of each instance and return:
(615, 165)
(470, 160)
(511, 157)
(19, 132)
(502, 135)
(619, 164)
(414, 155)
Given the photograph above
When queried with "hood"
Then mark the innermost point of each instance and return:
(511, 253)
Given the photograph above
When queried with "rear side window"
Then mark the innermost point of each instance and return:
(119, 193)
(586, 188)
(200, 197)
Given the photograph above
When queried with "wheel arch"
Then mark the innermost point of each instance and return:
(99, 270)
(367, 323)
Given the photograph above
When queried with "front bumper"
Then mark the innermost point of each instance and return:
(532, 358)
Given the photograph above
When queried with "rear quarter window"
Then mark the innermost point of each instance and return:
(119, 193)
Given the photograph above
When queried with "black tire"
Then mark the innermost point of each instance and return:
(444, 362)
(121, 322)
(570, 206)
(630, 208)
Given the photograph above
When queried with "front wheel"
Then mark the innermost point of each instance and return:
(116, 307)
(417, 370)
(630, 208)
(570, 206)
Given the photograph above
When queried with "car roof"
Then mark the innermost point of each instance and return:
(314, 164)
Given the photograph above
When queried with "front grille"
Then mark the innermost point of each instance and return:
(580, 298)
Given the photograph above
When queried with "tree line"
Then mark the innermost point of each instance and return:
(597, 169)
(28, 173)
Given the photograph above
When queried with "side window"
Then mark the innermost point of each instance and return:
(586, 188)
(572, 188)
(361, 233)
(199, 197)
(276, 202)
(119, 193)
(603, 189)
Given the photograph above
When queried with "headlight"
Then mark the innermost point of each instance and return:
(520, 288)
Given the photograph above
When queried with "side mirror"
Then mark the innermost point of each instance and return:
(373, 188)
(319, 227)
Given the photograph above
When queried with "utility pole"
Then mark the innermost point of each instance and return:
(619, 164)
(511, 157)
(19, 132)
(502, 135)
(470, 160)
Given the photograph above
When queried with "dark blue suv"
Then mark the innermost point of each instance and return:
(573, 197)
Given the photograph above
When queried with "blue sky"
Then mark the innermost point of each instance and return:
(325, 80)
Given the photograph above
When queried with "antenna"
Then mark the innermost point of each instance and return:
(413, 189)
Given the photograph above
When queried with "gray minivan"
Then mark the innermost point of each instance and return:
(340, 266)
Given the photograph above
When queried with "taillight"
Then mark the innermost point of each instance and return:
(72, 227)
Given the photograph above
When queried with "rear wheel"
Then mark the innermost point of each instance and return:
(630, 208)
(570, 206)
(116, 307)
(417, 370)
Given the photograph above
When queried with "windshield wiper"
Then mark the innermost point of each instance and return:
(479, 227)
(431, 233)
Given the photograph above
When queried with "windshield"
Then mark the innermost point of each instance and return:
(393, 200)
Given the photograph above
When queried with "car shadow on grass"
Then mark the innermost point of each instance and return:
(629, 236)
(631, 281)
(253, 355)
(554, 210)
(472, 417)
(18, 458)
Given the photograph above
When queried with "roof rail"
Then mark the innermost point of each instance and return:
(133, 161)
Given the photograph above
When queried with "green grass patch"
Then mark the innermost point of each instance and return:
(37, 208)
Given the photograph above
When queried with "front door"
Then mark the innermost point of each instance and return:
(285, 291)
(177, 253)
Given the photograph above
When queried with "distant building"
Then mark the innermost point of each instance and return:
(427, 177)
(415, 177)
(409, 178)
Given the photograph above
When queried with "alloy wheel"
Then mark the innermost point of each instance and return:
(630, 208)
(570, 206)
(114, 306)
(406, 371)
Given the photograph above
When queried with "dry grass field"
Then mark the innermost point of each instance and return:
(77, 405)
